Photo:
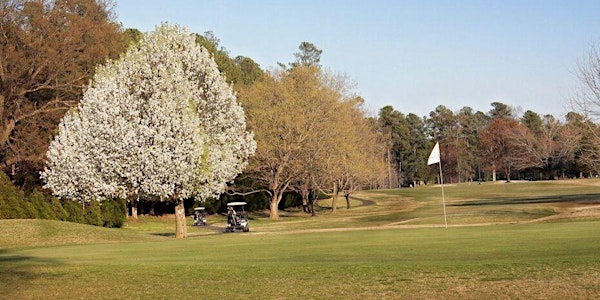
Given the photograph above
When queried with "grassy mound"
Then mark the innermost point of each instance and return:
(39, 233)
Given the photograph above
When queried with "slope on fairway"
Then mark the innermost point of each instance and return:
(38, 233)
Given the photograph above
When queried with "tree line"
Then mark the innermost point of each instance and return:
(313, 135)
(487, 146)
(18, 204)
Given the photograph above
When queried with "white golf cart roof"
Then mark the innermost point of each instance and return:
(199, 208)
(236, 203)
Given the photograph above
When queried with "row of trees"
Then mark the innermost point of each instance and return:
(477, 145)
(311, 130)
(295, 111)
(312, 136)
(17, 204)
(161, 123)
(131, 134)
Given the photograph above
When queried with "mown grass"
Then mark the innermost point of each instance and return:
(504, 261)
(501, 251)
(40, 233)
(494, 202)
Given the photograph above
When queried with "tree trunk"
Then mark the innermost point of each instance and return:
(7, 129)
(334, 199)
(181, 228)
(389, 163)
(304, 193)
(494, 175)
(347, 196)
(274, 203)
(274, 206)
(134, 208)
(152, 212)
(276, 195)
(1, 99)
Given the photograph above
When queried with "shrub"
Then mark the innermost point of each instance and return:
(93, 215)
(114, 212)
(74, 211)
(58, 209)
(43, 208)
(11, 200)
(29, 210)
(15, 204)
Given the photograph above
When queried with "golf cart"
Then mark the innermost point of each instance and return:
(199, 216)
(237, 220)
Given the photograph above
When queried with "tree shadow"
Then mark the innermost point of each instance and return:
(165, 234)
(18, 271)
(576, 199)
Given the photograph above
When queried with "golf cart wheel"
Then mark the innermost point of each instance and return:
(246, 229)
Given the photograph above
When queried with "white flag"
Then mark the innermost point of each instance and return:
(434, 157)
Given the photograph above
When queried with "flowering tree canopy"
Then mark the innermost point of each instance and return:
(161, 120)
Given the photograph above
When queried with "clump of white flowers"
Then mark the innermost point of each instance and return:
(161, 121)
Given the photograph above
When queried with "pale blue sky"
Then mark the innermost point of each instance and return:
(413, 55)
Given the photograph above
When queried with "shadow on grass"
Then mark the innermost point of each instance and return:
(173, 234)
(215, 228)
(577, 199)
(18, 271)
(386, 218)
(284, 213)
(165, 234)
(365, 202)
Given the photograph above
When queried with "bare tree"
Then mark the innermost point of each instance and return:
(587, 103)
(587, 100)
(48, 52)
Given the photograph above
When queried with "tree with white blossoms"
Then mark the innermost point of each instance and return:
(159, 121)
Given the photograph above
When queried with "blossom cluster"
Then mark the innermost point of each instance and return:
(161, 120)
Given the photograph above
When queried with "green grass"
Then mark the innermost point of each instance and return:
(40, 233)
(532, 242)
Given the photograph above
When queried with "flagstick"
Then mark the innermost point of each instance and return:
(435, 157)
(443, 198)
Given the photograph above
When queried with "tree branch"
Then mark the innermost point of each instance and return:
(248, 193)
